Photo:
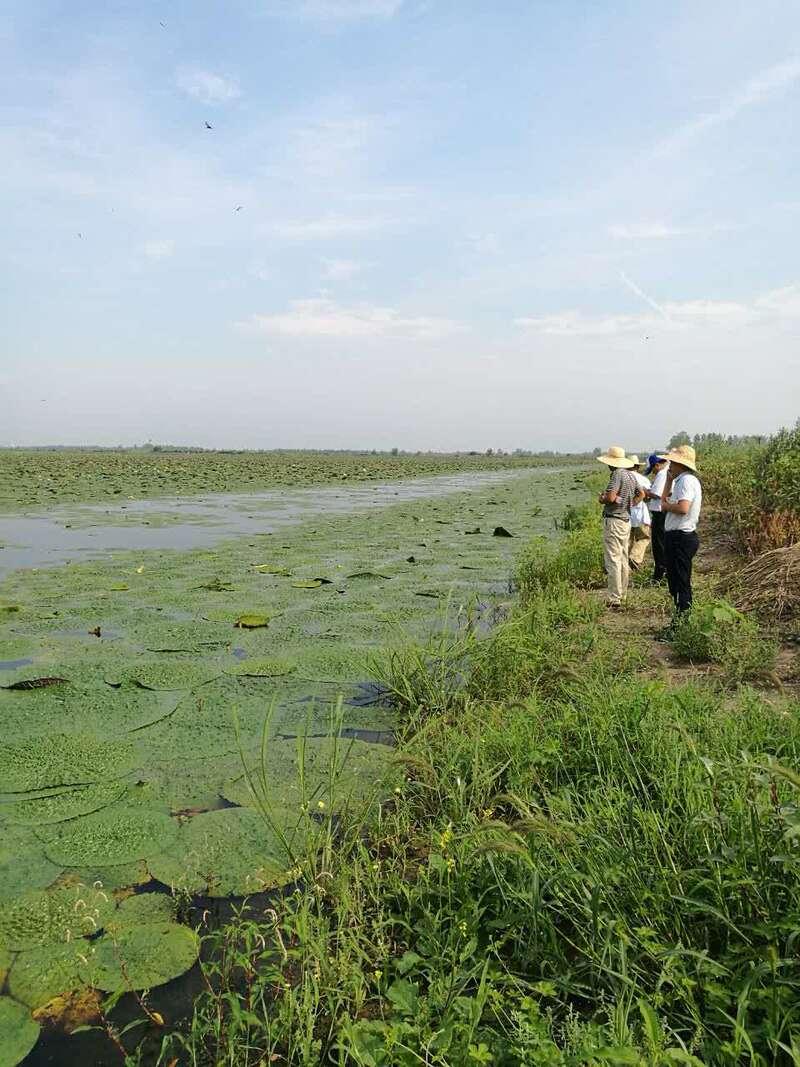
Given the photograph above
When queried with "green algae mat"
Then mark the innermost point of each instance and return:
(167, 721)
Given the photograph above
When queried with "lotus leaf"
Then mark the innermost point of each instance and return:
(62, 805)
(143, 908)
(369, 576)
(232, 852)
(271, 568)
(109, 837)
(53, 916)
(307, 583)
(171, 674)
(23, 864)
(141, 956)
(18, 1032)
(252, 622)
(62, 759)
(261, 668)
(335, 771)
(184, 637)
(111, 878)
(39, 974)
(5, 964)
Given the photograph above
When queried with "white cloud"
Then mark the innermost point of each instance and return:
(340, 270)
(765, 85)
(321, 317)
(206, 86)
(672, 316)
(158, 249)
(325, 147)
(322, 229)
(483, 244)
(337, 10)
(645, 231)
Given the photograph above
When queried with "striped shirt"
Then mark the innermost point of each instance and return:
(625, 486)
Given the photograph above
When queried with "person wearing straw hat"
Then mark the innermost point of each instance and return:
(640, 520)
(621, 492)
(657, 466)
(681, 500)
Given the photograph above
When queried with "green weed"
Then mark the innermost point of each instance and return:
(715, 632)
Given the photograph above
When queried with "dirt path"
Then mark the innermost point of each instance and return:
(648, 612)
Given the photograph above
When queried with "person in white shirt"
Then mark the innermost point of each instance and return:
(657, 467)
(681, 500)
(640, 520)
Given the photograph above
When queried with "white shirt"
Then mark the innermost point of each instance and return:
(659, 482)
(640, 515)
(685, 487)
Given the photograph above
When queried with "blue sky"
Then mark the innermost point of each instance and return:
(460, 224)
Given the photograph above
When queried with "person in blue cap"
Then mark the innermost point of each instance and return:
(657, 468)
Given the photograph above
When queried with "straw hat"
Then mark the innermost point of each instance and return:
(683, 454)
(635, 460)
(615, 457)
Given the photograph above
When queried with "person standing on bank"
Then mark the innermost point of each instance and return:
(621, 492)
(657, 467)
(681, 501)
(640, 520)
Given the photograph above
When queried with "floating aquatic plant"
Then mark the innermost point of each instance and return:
(109, 837)
(168, 674)
(18, 1032)
(140, 956)
(53, 916)
(62, 759)
(232, 852)
(143, 908)
(63, 804)
(261, 668)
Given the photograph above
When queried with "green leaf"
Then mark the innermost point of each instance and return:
(404, 995)
(18, 1032)
(109, 837)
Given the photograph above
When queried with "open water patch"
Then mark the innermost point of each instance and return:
(60, 535)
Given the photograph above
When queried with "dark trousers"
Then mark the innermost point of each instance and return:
(680, 551)
(657, 544)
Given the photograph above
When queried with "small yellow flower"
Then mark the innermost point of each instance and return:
(377, 975)
(321, 805)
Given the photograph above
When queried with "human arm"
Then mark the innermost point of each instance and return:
(677, 507)
(683, 491)
(610, 494)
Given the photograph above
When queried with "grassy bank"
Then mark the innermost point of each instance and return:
(585, 863)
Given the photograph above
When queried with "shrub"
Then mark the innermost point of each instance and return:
(715, 632)
(778, 472)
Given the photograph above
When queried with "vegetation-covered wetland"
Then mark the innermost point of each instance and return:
(30, 479)
(168, 719)
(582, 848)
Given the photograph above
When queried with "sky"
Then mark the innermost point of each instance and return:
(442, 224)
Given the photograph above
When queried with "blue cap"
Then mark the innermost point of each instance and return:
(652, 459)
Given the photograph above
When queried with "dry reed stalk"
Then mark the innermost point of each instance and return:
(770, 584)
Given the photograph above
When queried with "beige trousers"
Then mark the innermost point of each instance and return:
(640, 539)
(616, 534)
